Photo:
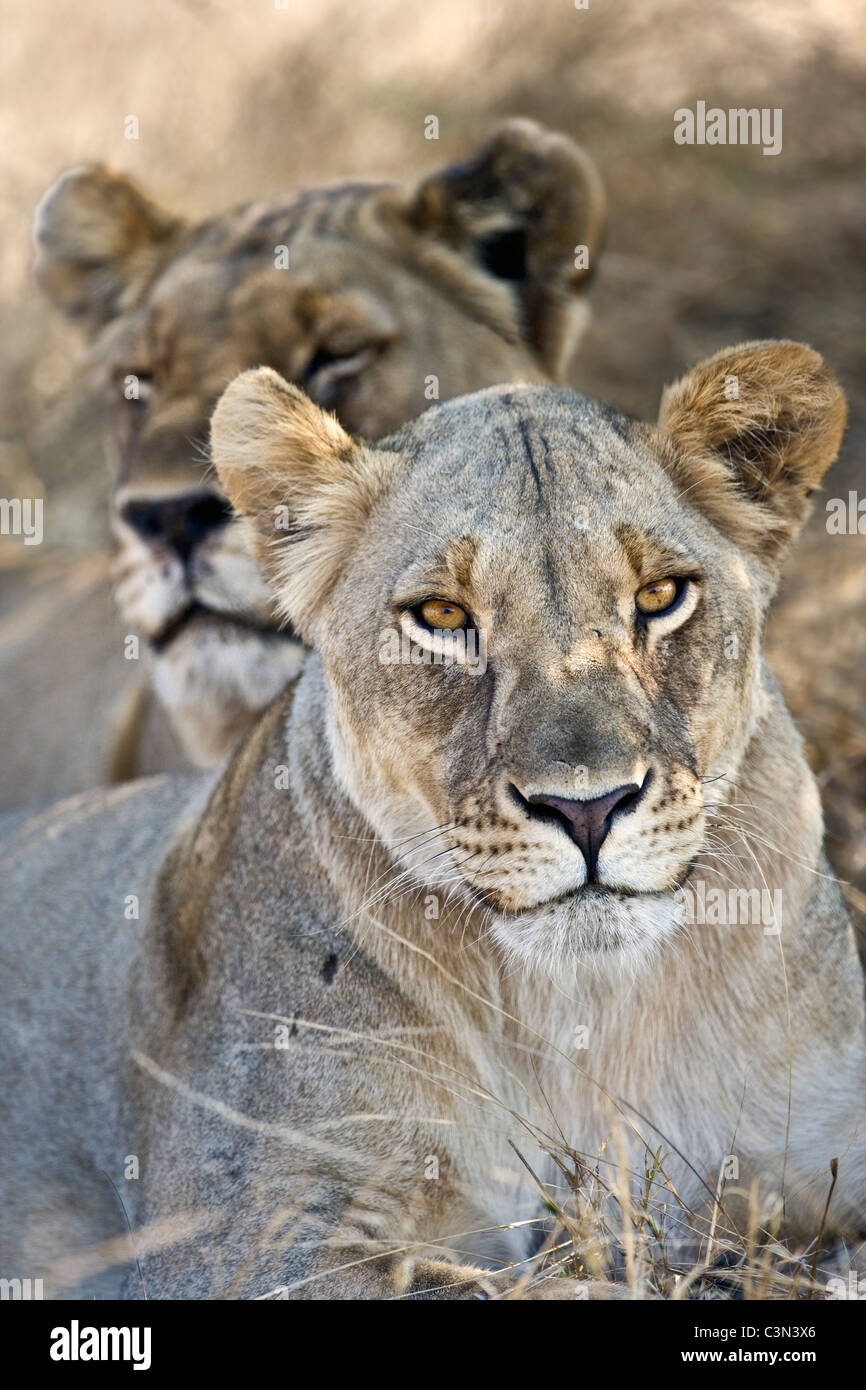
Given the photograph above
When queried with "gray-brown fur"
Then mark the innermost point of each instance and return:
(274, 901)
(392, 297)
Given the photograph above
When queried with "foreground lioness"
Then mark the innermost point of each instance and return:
(426, 932)
(376, 299)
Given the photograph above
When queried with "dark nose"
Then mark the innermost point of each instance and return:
(588, 822)
(181, 522)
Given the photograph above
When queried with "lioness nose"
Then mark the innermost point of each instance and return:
(588, 822)
(180, 522)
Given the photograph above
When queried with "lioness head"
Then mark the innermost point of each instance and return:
(376, 299)
(540, 622)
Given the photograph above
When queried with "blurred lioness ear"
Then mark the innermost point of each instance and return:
(303, 484)
(99, 241)
(526, 211)
(750, 434)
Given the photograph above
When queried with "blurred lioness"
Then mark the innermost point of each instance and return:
(376, 299)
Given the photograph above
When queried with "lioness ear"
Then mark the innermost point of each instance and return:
(304, 485)
(753, 430)
(98, 243)
(527, 210)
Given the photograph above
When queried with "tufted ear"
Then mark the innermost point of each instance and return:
(99, 241)
(750, 433)
(518, 211)
(304, 486)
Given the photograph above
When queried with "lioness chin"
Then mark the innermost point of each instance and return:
(377, 299)
(356, 1008)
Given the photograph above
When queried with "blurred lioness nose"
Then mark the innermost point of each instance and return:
(181, 523)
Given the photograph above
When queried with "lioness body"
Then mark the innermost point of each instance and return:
(320, 1082)
(325, 1141)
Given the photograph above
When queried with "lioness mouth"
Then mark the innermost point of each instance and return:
(197, 610)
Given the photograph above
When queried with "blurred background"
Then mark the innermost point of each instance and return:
(707, 246)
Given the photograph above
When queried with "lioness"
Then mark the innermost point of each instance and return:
(376, 299)
(347, 1013)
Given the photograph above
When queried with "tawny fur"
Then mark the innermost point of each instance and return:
(391, 296)
(330, 1092)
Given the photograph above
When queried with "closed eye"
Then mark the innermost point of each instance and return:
(329, 371)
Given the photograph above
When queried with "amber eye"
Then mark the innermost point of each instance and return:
(659, 596)
(438, 613)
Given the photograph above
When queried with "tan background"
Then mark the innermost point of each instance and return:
(707, 246)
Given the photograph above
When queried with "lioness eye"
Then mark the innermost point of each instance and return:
(330, 371)
(323, 358)
(438, 613)
(659, 596)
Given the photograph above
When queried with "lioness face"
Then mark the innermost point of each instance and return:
(540, 624)
(376, 300)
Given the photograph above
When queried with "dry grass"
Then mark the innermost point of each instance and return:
(632, 1228)
(607, 1221)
